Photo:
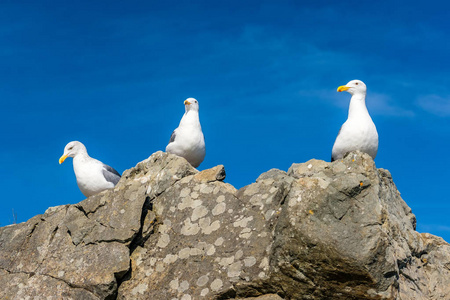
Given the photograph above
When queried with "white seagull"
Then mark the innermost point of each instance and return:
(92, 175)
(187, 140)
(359, 131)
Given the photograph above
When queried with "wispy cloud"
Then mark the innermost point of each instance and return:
(434, 228)
(378, 104)
(435, 104)
(381, 104)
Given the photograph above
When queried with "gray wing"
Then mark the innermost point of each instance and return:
(111, 174)
(172, 137)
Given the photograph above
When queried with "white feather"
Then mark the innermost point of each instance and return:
(189, 141)
(359, 131)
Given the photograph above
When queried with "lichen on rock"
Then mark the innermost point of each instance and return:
(167, 231)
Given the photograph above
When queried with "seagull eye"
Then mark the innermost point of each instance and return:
(70, 148)
(356, 83)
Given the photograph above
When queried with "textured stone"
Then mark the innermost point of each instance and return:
(81, 251)
(319, 231)
(214, 174)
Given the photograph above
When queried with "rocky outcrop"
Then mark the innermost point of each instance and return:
(319, 231)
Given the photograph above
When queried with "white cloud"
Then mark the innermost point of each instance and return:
(377, 104)
(434, 228)
(435, 104)
(381, 104)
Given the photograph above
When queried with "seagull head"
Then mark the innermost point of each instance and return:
(72, 149)
(191, 104)
(354, 87)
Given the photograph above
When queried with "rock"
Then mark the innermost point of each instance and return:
(266, 297)
(214, 174)
(84, 249)
(319, 231)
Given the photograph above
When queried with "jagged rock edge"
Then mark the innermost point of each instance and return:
(138, 240)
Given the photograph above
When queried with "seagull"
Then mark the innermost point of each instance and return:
(92, 175)
(187, 140)
(359, 131)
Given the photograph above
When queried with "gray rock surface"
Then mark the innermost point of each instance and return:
(319, 231)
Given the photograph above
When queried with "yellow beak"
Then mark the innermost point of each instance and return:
(342, 88)
(62, 159)
(187, 102)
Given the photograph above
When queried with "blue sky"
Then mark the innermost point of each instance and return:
(114, 76)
